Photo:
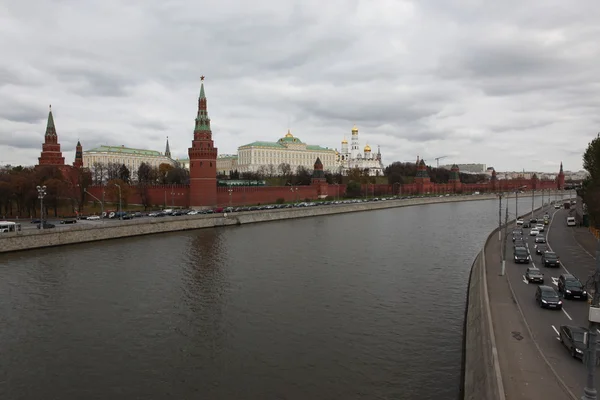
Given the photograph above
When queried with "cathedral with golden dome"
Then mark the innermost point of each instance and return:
(350, 158)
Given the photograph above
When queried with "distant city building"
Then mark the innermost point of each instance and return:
(287, 150)
(350, 158)
(469, 168)
(131, 158)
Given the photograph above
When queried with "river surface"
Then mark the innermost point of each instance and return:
(365, 305)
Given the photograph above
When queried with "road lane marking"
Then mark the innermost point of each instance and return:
(555, 281)
(525, 280)
(556, 330)
(548, 236)
(567, 314)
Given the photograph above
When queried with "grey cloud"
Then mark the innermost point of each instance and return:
(16, 112)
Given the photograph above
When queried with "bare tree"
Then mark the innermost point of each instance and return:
(112, 171)
(98, 173)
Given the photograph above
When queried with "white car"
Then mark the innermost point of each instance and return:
(571, 221)
(556, 206)
(534, 232)
(193, 212)
(93, 217)
(520, 222)
(539, 227)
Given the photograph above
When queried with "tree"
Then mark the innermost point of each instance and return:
(178, 176)
(163, 171)
(145, 174)
(591, 186)
(123, 173)
(112, 171)
(112, 191)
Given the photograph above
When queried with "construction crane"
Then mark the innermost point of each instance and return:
(437, 159)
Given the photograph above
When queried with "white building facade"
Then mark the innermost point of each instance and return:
(131, 158)
(351, 158)
(287, 150)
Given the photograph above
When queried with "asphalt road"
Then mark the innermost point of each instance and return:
(545, 323)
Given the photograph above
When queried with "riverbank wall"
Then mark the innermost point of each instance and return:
(106, 230)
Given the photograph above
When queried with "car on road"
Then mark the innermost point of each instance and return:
(557, 206)
(571, 221)
(93, 217)
(547, 297)
(533, 232)
(68, 221)
(572, 337)
(541, 248)
(540, 227)
(519, 243)
(517, 236)
(521, 255)
(550, 259)
(533, 274)
(540, 238)
(47, 225)
(533, 221)
(520, 222)
(526, 224)
(571, 288)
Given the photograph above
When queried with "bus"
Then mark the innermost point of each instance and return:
(8, 226)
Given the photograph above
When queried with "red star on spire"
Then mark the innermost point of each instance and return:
(202, 78)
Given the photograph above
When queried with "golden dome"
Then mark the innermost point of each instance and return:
(367, 149)
(354, 129)
(289, 134)
(344, 141)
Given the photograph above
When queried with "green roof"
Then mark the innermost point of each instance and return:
(124, 150)
(50, 123)
(278, 145)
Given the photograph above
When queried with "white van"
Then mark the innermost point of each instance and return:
(571, 221)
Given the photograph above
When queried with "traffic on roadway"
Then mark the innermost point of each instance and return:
(550, 285)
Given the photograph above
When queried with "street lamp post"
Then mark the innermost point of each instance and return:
(517, 200)
(101, 202)
(172, 197)
(120, 203)
(41, 193)
(295, 189)
(532, 200)
(590, 392)
(230, 190)
(505, 239)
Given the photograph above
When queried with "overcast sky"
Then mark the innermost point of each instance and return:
(512, 84)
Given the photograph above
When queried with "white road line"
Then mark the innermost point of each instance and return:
(548, 236)
(525, 280)
(555, 330)
(567, 314)
(555, 281)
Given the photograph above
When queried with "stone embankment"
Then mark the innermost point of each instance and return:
(32, 239)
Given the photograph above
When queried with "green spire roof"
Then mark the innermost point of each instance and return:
(50, 119)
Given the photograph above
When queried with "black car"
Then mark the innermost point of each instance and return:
(541, 248)
(46, 225)
(534, 275)
(68, 221)
(526, 224)
(550, 259)
(521, 255)
(533, 221)
(573, 339)
(571, 287)
(547, 297)
(127, 216)
(519, 243)
(517, 235)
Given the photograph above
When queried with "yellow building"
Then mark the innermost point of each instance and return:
(131, 158)
(287, 150)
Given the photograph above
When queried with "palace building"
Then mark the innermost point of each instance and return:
(354, 158)
(287, 150)
(131, 158)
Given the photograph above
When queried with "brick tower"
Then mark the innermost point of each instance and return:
(494, 180)
(560, 179)
(78, 156)
(203, 159)
(318, 179)
(422, 179)
(454, 180)
(51, 154)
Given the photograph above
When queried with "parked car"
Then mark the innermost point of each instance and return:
(550, 259)
(93, 217)
(68, 221)
(47, 225)
(547, 297)
(533, 274)
(571, 288)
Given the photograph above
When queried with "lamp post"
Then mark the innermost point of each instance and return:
(517, 200)
(101, 202)
(172, 196)
(120, 204)
(230, 190)
(590, 392)
(41, 193)
(295, 189)
(532, 199)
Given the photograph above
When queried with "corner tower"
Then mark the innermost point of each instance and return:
(51, 154)
(203, 158)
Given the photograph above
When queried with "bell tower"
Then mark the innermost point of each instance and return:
(203, 158)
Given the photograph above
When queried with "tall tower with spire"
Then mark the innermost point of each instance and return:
(203, 158)
(167, 149)
(560, 179)
(51, 154)
(354, 150)
(78, 156)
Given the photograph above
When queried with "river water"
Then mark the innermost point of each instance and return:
(365, 305)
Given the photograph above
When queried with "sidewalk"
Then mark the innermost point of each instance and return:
(525, 374)
(586, 239)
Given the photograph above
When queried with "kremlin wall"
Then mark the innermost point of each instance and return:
(203, 192)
